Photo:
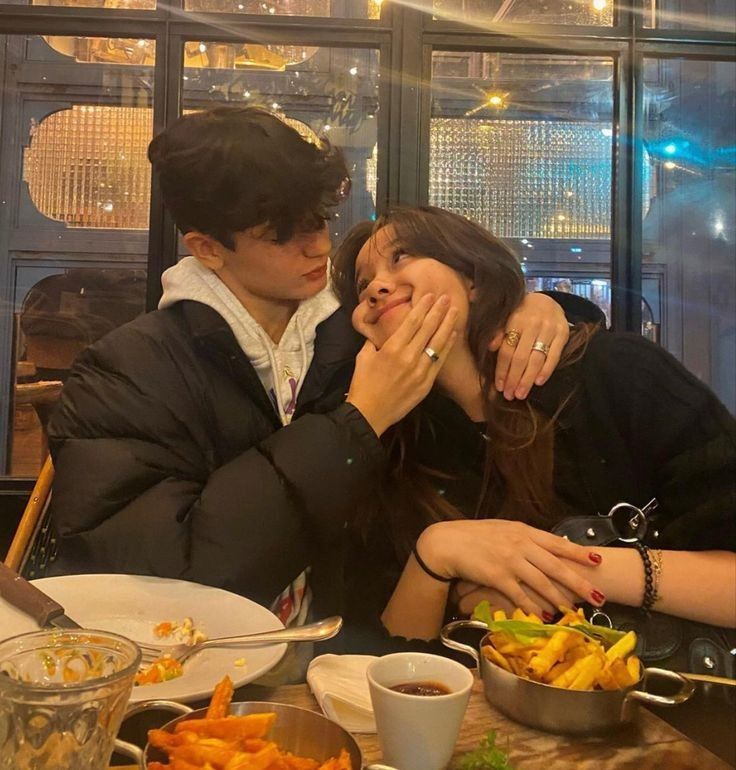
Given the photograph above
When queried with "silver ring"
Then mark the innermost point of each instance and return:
(432, 354)
(541, 347)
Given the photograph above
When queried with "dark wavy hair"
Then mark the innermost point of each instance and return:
(518, 474)
(229, 168)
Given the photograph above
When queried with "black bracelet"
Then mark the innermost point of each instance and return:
(430, 572)
(650, 595)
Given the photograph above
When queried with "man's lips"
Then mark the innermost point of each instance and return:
(317, 272)
(389, 306)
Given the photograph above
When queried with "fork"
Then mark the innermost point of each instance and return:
(313, 632)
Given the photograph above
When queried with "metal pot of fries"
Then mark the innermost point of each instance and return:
(571, 677)
(244, 736)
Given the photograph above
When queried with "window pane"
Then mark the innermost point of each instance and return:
(522, 145)
(353, 9)
(328, 91)
(486, 13)
(76, 189)
(689, 228)
(707, 15)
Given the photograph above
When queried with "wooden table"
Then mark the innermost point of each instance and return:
(649, 744)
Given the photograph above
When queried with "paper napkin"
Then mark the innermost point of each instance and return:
(340, 686)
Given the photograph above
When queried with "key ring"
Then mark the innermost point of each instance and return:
(630, 522)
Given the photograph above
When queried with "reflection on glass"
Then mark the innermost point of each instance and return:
(523, 145)
(356, 9)
(487, 13)
(141, 5)
(245, 55)
(59, 316)
(598, 290)
(690, 225)
(270, 7)
(333, 92)
(106, 50)
(704, 15)
(87, 166)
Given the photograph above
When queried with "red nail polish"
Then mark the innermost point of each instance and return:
(548, 616)
(596, 558)
(597, 597)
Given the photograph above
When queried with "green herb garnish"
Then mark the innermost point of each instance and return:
(485, 757)
(526, 632)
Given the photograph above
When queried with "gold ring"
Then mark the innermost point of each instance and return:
(512, 337)
(541, 347)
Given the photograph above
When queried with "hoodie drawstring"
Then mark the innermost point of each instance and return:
(276, 369)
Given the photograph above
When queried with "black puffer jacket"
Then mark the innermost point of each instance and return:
(171, 460)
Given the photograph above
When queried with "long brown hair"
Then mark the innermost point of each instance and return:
(518, 471)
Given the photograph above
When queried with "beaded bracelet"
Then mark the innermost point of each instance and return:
(430, 572)
(650, 585)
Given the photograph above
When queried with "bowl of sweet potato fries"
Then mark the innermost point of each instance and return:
(567, 677)
(246, 736)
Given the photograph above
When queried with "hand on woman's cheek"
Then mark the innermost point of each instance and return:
(366, 329)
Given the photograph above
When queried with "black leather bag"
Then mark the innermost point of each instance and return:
(663, 640)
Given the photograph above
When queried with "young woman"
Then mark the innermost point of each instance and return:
(477, 482)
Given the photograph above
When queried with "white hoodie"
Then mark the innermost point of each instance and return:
(281, 368)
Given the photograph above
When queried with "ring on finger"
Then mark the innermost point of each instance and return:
(541, 347)
(434, 357)
(512, 337)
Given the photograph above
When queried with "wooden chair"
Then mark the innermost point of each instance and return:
(42, 396)
(33, 547)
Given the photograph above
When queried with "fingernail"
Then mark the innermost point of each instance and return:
(444, 300)
(499, 385)
(548, 616)
(540, 380)
(596, 558)
(520, 393)
(597, 597)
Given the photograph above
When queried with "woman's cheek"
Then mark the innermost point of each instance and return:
(360, 325)
(358, 316)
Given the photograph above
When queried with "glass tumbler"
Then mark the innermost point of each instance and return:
(63, 695)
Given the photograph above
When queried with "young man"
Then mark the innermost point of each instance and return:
(211, 440)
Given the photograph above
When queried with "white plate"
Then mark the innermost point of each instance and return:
(132, 605)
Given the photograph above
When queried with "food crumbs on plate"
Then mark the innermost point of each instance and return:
(163, 669)
(240, 662)
(185, 632)
(163, 630)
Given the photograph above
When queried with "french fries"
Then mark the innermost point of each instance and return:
(572, 653)
(223, 742)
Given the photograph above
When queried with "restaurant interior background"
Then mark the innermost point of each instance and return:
(599, 138)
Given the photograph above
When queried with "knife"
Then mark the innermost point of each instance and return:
(16, 590)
